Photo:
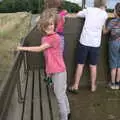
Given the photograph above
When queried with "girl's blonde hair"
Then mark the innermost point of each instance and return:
(47, 16)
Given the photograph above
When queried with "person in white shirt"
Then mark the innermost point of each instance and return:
(89, 43)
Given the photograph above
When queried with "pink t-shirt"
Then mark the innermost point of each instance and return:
(60, 21)
(53, 58)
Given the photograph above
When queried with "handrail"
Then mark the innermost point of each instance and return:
(11, 80)
(9, 84)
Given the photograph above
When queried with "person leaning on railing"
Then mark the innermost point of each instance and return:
(89, 43)
(54, 62)
(113, 27)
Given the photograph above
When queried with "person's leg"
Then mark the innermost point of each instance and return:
(118, 79)
(93, 60)
(82, 52)
(118, 68)
(93, 74)
(67, 104)
(113, 77)
(113, 61)
(113, 74)
(59, 80)
(78, 74)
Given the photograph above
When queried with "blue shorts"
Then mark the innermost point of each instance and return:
(114, 54)
(90, 54)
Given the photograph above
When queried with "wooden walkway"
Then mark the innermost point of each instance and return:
(39, 100)
(24, 95)
(39, 103)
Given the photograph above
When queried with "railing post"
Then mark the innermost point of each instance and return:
(25, 63)
(20, 97)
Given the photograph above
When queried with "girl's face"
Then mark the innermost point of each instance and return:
(50, 28)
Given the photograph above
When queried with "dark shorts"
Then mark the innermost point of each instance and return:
(91, 54)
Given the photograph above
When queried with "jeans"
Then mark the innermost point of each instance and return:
(59, 81)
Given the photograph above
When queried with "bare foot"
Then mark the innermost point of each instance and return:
(73, 89)
(93, 88)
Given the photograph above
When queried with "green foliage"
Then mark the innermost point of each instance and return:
(71, 7)
(110, 10)
(35, 6)
(14, 6)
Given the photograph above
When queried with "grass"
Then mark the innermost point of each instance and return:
(14, 27)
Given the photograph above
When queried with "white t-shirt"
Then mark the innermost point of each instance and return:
(92, 29)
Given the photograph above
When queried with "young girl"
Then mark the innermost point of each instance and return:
(60, 25)
(56, 7)
(55, 65)
(113, 27)
(59, 22)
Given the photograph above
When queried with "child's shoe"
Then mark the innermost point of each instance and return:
(112, 86)
(117, 85)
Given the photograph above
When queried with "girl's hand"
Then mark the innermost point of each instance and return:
(19, 48)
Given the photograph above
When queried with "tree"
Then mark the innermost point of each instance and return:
(52, 3)
(41, 5)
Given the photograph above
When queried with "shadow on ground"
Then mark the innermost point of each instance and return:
(104, 104)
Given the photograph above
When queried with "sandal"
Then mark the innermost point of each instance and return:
(73, 90)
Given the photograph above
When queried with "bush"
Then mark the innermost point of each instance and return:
(8, 6)
(110, 10)
(71, 7)
(14, 6)
(35, 6)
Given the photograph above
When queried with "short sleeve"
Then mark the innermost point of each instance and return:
(49, 41)
(82, 13)
(42, 40)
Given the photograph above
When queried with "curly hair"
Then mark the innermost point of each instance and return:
(48, 15)
(117, 9)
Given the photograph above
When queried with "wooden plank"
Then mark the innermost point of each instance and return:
(28, 98)
(36, 97)
(15, 109)
(53, 104)
(8, 86)
(44, 99)
(23, 79)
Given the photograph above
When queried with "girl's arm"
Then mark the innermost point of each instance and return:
(34, 48)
